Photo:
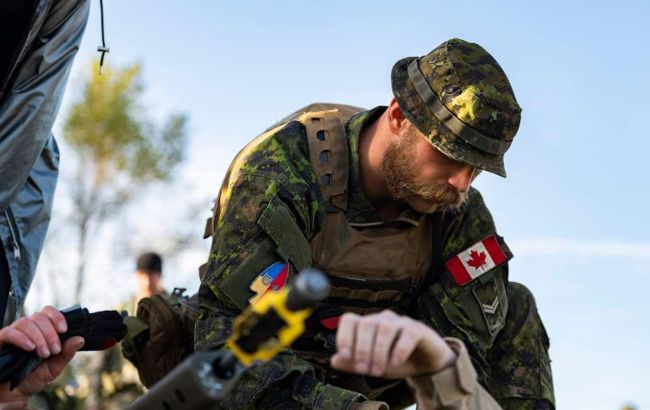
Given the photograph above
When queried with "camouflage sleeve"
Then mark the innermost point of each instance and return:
(266, 219)
(478, 313)
(473, 312)
(243, 247)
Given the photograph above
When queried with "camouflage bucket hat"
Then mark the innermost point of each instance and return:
(461, 100)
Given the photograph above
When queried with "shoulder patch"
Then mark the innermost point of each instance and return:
(476, 260)
(272, 278)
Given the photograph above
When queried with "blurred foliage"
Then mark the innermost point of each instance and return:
(108, 127)
(120, 149)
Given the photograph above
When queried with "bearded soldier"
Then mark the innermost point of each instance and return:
(420, 309)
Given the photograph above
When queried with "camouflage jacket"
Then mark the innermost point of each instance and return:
(274, 173)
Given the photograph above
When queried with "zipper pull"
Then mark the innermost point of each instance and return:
(13, 232)
(14, 244)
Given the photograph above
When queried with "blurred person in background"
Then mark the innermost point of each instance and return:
(148, 274)
(116, 383)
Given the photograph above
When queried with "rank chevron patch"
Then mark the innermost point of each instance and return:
(476, 260)
(492, 307)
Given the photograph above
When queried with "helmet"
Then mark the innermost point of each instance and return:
(461, 100)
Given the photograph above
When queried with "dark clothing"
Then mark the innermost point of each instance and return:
(42, 39)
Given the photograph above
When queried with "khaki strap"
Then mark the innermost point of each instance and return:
(202, 270)
(328, 154)
(208, 231)
(345, 112)
(442, 113)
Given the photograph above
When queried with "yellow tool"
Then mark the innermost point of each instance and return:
(276, 319)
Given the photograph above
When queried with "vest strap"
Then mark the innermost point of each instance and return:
(208, 231)
(328, 154)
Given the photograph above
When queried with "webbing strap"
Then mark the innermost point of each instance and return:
(433, 275)
(436, 252)
(208, 231)
(328, 154)
(448, 119)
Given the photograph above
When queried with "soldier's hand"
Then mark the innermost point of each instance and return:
(389, 346)
(40, 334)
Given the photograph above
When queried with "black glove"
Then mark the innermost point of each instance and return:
(100, 330)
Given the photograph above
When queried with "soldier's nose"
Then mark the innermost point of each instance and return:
(462, 178)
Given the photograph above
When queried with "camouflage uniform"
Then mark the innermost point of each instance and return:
(271, 206)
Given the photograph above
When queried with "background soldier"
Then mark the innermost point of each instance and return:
(381, 201)
(148, 275)
(117, 384)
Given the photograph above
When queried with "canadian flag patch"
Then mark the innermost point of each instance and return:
(476, 260)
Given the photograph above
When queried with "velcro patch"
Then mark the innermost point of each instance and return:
(476, 260)
(272, 278)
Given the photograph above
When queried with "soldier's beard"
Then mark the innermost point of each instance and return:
(400, 173)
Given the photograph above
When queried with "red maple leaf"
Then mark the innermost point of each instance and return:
(476, 259)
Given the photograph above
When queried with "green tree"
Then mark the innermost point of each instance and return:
(119, 149)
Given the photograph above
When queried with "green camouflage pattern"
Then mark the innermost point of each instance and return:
(521, 367)
(472, 85)
(456, 310)
(272, 175)
(287, 382)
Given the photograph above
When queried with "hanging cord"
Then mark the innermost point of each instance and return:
(102, 49)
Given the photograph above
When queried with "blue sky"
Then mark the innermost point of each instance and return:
(573, 207)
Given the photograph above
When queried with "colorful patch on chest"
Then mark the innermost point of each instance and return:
(272, 278)
(476, 260)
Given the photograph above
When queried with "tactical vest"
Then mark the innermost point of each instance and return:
(371, 267)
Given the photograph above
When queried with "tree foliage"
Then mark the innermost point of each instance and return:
(120, 150)
(108, 126)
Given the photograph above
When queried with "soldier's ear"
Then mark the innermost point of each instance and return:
(396, 119)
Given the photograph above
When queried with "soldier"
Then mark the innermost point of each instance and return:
(148, 275)
(117, 384)
(381, 201)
